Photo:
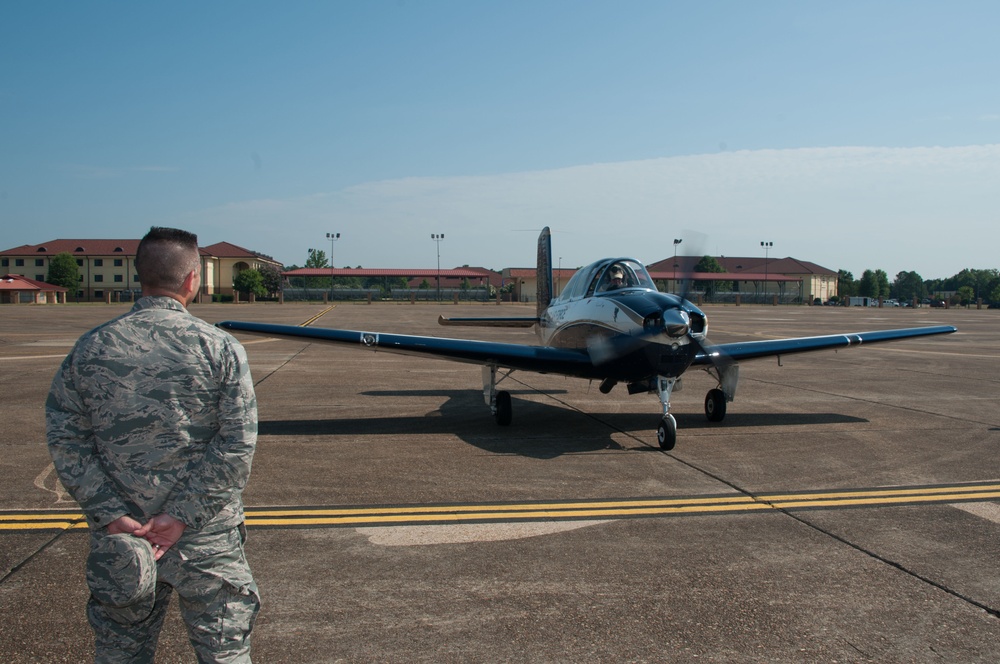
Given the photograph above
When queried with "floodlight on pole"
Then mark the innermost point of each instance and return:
(332, 237)
(437, 237)
(767, 246)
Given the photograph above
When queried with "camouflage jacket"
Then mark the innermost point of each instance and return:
(154, 412)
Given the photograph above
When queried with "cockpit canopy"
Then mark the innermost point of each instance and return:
(607, 275)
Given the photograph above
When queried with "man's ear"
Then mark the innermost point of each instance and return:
(190, 286)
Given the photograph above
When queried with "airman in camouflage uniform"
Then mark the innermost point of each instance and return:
(151, 424)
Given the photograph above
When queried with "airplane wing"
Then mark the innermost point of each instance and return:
(748, 350)
(540, 359)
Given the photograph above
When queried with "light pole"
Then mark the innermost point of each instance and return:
(767, 246)
(676, 242)
(437, 237)
(332, 237)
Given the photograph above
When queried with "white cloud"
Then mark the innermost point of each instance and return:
(931, 209)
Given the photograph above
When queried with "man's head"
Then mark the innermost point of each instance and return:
(616, 277)
(168, 263)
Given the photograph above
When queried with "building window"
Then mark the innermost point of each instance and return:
(98, 262)
(99, 294)
(79, 262)
(39, 262)
(39, 277)
(119, 262)
(18, 262)
(98, 278)
(5, 262)
(119, 278)
(135, 278)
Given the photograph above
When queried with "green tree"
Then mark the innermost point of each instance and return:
(63, 271)
(250, 281)
(424, 285)
(874, 283)
(271, 279)
(708, 264)
(907, 286)
(317, 258)
(995, 294)
(846, 284)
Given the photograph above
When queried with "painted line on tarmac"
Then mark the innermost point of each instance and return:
(333, 517)
(317, 316)
(34, 357)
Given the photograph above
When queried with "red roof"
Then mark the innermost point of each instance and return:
(16, 282)
(77, 247)
(230, 250)
(122, 247)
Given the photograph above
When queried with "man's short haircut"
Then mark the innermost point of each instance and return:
(165, 257)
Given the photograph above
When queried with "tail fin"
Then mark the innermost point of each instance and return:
(544, 270)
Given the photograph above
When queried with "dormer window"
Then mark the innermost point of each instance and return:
(118, 250)
(41, 250)
(79, 249)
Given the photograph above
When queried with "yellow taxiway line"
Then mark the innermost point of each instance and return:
(399, 515)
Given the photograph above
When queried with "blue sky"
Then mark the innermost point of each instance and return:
(852, 134)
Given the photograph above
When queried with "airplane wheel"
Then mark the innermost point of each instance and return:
(666, 433)
(715, 405)
(505, 410)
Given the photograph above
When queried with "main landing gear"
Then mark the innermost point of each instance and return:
(498, 400)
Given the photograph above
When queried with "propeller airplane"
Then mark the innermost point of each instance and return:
(610, 324)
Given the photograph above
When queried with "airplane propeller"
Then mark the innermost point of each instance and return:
(720, 360)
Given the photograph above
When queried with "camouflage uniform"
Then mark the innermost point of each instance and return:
(154, 413)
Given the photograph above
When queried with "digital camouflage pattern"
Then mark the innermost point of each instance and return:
(121, 573)
(154, 413)
(218, 599)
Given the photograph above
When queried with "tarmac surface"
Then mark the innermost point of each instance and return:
(846, 510)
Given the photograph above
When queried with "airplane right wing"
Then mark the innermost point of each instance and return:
(749, 350)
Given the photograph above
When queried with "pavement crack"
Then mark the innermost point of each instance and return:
(34, 554)
(992, 611)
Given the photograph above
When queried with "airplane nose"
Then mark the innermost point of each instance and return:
(676, 323)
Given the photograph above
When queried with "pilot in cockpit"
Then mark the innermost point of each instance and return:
(615, 278)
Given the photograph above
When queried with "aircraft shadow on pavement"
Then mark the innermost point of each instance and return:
(539, 430)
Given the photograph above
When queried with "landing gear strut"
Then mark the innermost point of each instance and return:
(666, 432)
(498, 400)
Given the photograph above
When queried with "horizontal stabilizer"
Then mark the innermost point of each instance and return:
(498, 321)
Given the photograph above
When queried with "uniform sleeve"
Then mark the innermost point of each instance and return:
(225, 467)
(71, 446)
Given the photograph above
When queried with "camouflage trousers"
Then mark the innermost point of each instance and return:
(218, 602)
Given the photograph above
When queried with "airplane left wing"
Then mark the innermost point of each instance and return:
(748, 350)
(540, 359)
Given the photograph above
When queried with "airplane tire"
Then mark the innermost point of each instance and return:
(505, 410)
(715, 405)
(666, 433)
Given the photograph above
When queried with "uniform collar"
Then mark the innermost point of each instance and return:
(157, 302)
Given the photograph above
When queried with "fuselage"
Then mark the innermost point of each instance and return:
(643, 332)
